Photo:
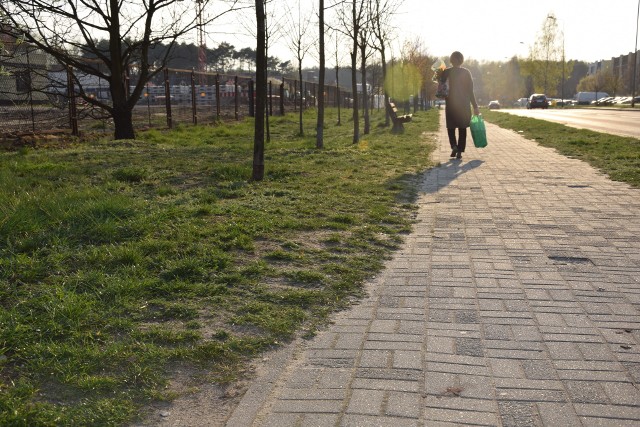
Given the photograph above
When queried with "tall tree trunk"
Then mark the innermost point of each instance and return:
(338, 84)
(384, 85)
(261, 84)
(365, 93)
(122, 112)
(320, 124)
(354, 89)
(268, 99)
(123, 121)
(354, 70)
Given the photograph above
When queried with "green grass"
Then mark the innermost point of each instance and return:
(121, 261)
(617, 156)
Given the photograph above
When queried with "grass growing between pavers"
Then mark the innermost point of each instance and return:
(617, 156)
(123, 261)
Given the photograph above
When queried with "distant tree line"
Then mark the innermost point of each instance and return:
(221, 59)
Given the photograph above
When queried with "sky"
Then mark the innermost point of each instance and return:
(496, 30)
(499, 29)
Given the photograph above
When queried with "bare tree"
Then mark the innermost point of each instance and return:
(382, 12)
(545, 57)
(417, 64)
(299, 42)
(365, 54)
(364, 41)
(261, 84)
(351, 20)
(273, 30)
(70, 32)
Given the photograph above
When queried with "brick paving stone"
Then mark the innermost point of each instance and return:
(609, 411)
(434, 415)
(385, 384)
(406, 405)
(513, 302)
(407, 359)
(366, 402)
(376, 358)
(586, 392)
(506, 368)
(363, 420)
(451, 401)
(313, 394)
(517, 414)
(557, 414)
(306, 406)
(316, 420)
(622, 393)
(280, 420)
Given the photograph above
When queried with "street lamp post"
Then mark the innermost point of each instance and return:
(635, 61)
(562, 84)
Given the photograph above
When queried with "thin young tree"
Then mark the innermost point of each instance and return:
(350, 22)
(273, 30)
(338, 79)
(70, 32)
(299, 41)
(382, 12)
(320, 119)
(365, 54)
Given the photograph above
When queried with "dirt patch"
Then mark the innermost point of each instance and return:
(199, 402)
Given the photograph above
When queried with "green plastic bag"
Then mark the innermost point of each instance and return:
(478, 131)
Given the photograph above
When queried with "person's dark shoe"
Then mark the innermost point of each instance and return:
(453, 153)
(459, 156)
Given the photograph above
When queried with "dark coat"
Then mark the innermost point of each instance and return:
(461, 97)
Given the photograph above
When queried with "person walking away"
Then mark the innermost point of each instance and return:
(458, 101)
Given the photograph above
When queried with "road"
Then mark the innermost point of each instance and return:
(616, 122)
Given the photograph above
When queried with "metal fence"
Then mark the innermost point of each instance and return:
(36, 100)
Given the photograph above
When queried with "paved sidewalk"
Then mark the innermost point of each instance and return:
(515, 302)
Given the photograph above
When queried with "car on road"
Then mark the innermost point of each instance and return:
(494, 105)
(538, 100)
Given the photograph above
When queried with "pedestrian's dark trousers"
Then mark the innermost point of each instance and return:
(462, 139)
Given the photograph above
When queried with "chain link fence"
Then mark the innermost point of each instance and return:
(38, 98)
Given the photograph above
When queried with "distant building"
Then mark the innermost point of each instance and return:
(598, 67)
(24, 72)
(622, 68)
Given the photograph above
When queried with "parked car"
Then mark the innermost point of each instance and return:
(616, 99)
(522, 102)
(586, 98)
(538, 100)
(607, 100)
(494, 105)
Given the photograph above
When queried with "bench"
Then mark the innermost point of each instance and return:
(397, 120)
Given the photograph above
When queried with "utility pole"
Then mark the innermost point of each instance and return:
(202, 48)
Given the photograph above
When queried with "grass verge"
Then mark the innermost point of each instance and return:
(617, 156)
(120, 261)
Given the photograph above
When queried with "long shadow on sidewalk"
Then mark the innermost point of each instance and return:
(446, 173)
